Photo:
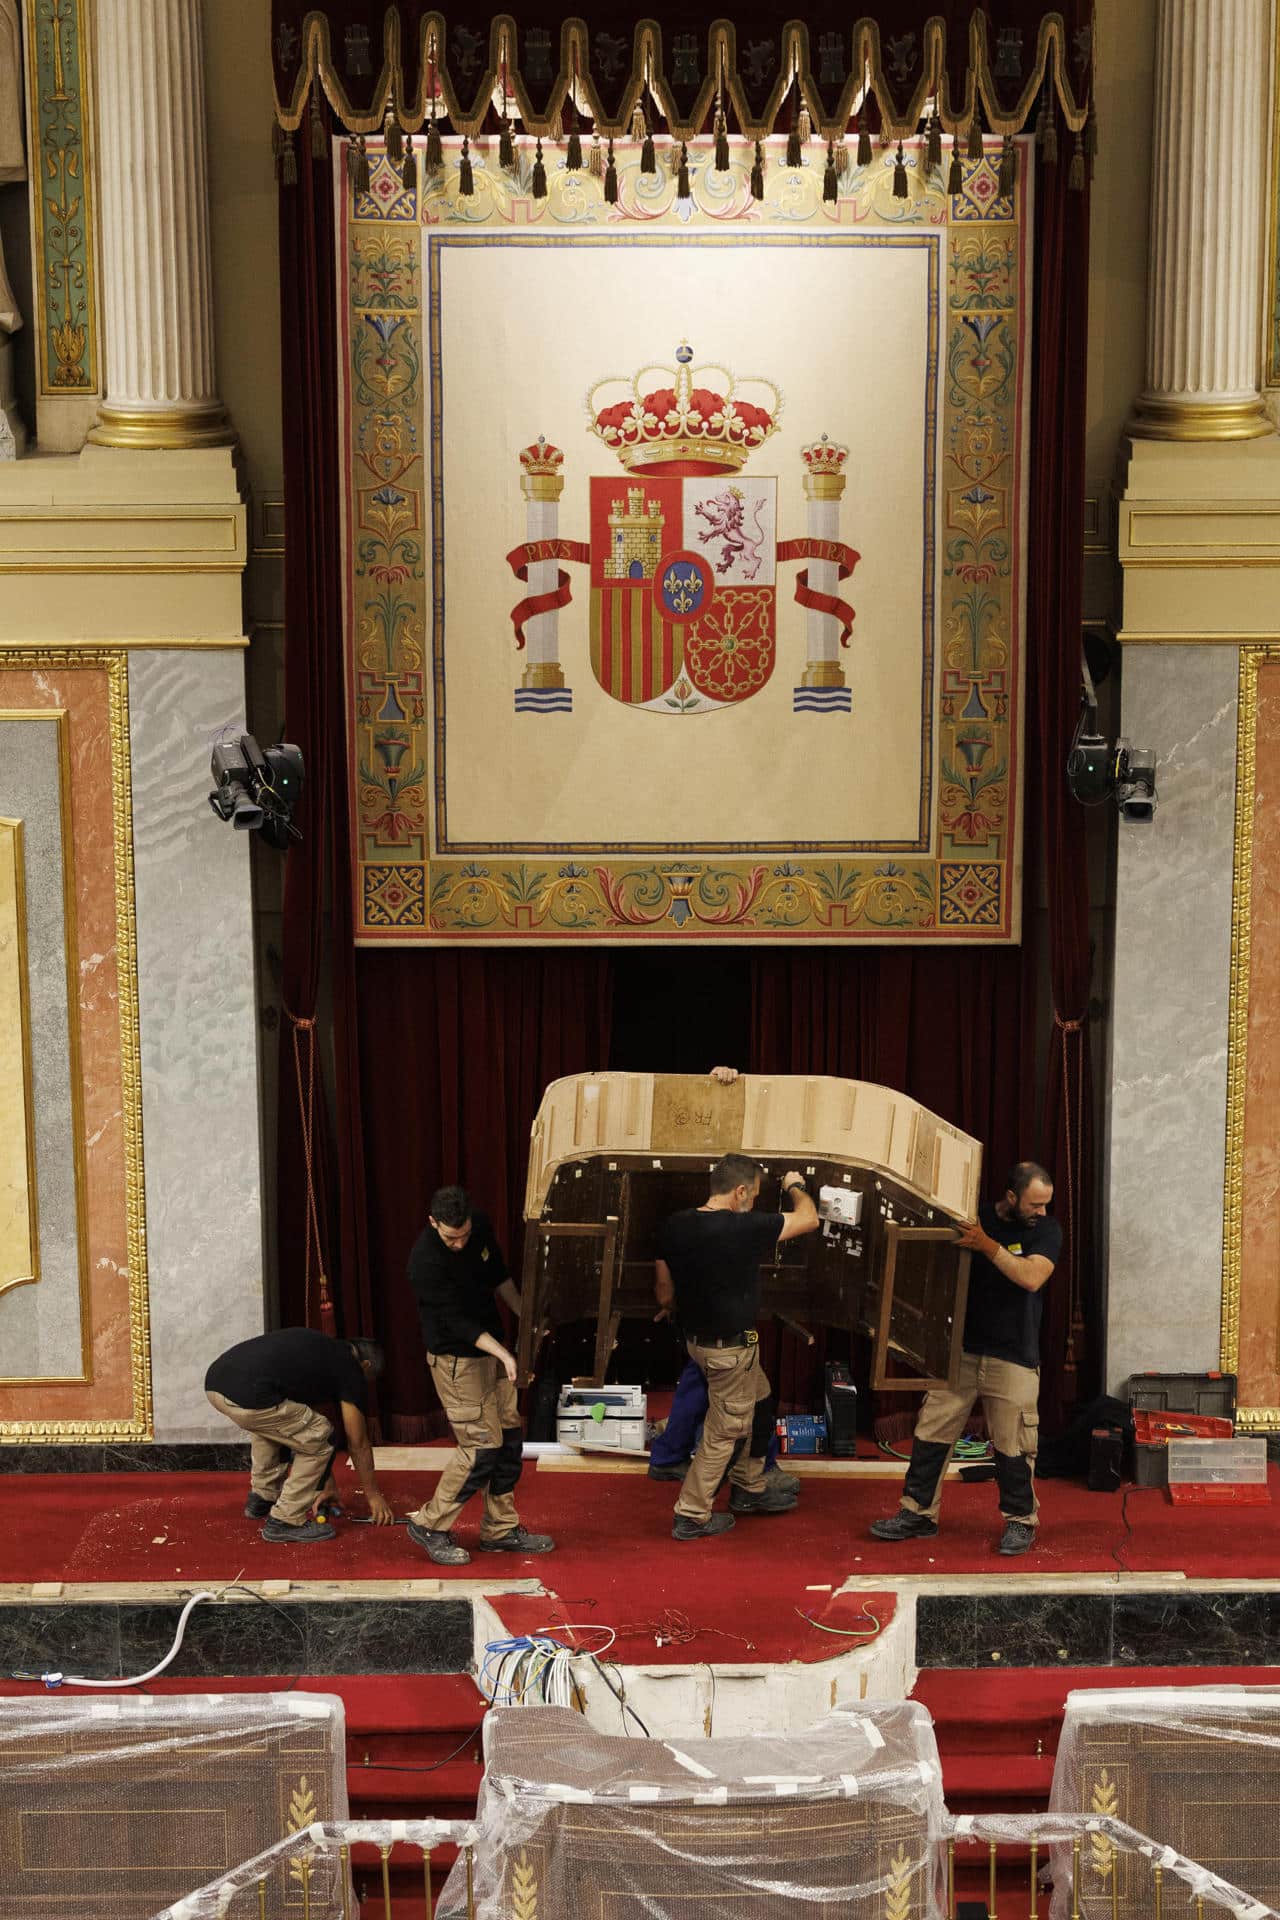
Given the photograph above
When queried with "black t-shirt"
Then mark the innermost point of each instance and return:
(294, 1364)
(455, 1291)
(1003, 1320)
(715, 1260)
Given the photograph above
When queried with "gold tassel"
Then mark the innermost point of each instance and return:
(955, 177)
(900, 187)
(361, 174)
(595, 159)
(830, 180)
(864, 140)
(975, 129)
(1008, 168)
(639, 125)
(722, 143)
(804, 125)
(289, 163)
(539, 175)
(435, 152)
(844, 160)
(648, 158)
(393, 138)
(1075, 178)
(1047, 127)
(573, 150)
(673, 160)
(757, 174)
(682, 179)
(466, 179)
(933, 144)
(506, 147)
(409, 171)
(611, 178)
(793, 141)
(319, 138)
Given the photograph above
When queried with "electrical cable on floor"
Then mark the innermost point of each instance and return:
(845, 1633)
(1116, 1555)
(672, 1627)
(386, 1766)
(52, 1680)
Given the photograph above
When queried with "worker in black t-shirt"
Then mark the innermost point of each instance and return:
(455, 1270)
(272, 1387)
(708, 1269)
(1015, 1248)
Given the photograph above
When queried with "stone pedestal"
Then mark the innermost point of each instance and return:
(1204, 302)
(158, 310)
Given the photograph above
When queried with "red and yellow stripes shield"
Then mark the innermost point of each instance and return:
(635, 655)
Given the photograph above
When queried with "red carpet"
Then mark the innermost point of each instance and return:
(616, 1561)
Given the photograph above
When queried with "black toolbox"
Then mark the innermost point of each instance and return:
(1203, 1395)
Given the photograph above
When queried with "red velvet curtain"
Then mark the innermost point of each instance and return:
(440, 1058)
(456, 1049)
(322, 1240)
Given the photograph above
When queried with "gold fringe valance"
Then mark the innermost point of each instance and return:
(900, 75)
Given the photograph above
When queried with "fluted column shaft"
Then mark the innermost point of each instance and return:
(161, 389)
(1204, 297)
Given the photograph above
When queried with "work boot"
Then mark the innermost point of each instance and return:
(518, 1541)
(768, 1499)
(775, 1477)
(256, 1508)
(280, 1533)
(1017, 1537)
(440, 1547)
(904, 1525)
(675, 1472)
(685, 1529)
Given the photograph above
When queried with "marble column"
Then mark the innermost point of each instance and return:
(1170, 1008)
(154, 187)
(1208, 169)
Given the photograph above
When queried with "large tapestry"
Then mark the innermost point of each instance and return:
(684, 545)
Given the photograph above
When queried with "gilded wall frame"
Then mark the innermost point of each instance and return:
(63, 662)
(1251, 660)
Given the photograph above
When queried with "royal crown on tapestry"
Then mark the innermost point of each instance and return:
(696, 421)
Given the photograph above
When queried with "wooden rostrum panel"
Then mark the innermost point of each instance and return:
(1213, 1797)
(115, 1809)
(613, 1154)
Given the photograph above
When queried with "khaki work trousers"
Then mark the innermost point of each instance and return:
(480, 1405)
(735, 1382)
(274, 1433)
(1009, 1396)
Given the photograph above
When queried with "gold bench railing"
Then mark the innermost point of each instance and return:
(1069, 1839)
(243, 1894)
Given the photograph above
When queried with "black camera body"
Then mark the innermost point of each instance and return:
(257, 789)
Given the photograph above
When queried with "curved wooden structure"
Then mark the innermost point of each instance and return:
(611, 1154)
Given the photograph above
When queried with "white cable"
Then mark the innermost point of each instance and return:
(77, 1680)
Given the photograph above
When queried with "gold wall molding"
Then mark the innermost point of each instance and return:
(1251, 659)
(20, 1219)
(211, 643)
(268, 538)
(139, 1425)
(1135, 637)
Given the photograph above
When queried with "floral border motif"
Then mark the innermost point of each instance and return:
(966, 890)
(61, 197)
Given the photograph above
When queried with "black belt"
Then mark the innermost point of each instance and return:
(747, 1339)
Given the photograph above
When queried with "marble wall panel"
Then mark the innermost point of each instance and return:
(40, 1322)
(1170, 1010)
(114, 1400)
(1253, 1232)
(198, 1028)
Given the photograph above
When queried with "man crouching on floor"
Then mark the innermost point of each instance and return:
(272, 1386)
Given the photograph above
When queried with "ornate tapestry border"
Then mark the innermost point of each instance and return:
(966, 889)
(59, 118)
(140, 1426)
(1251, 658)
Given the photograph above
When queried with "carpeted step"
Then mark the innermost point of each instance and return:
(448, 1791)
(975, 1782)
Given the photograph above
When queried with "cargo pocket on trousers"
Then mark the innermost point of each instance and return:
(1028, 1435)
(470, 1428)
(735, 1385)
